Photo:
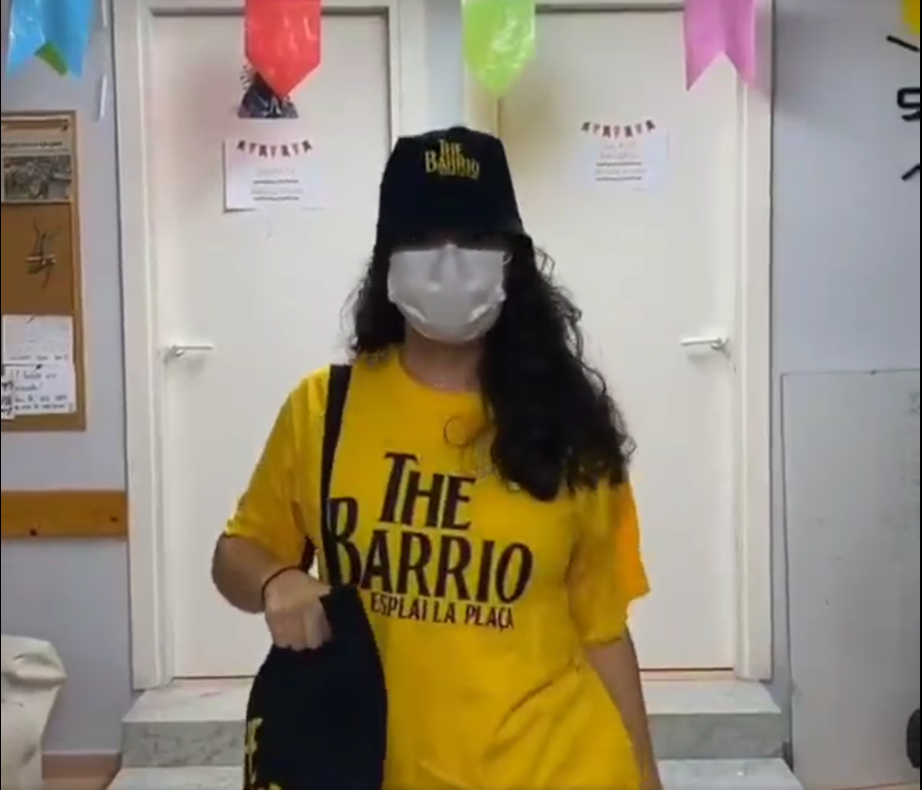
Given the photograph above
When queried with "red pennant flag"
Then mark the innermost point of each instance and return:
(283, 41)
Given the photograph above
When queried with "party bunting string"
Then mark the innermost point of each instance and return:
(499, 40)
(283, 41)
(911, 15)
(57, 31)
(720, 27)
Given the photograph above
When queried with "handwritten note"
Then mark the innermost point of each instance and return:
(38, 340)
(42, 389)
(6, 405)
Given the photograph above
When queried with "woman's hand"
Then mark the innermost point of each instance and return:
(294, 612)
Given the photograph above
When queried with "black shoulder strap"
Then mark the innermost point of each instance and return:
(337, 391)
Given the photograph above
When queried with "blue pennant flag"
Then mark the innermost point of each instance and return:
(59, 26)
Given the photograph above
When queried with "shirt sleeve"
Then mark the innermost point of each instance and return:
(268, 512)
(607, 572)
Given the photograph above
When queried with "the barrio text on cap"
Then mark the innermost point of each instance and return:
(449, 161)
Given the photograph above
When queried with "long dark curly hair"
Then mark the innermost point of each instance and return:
(553, 421)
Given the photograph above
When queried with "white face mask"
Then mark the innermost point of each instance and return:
(448, 294)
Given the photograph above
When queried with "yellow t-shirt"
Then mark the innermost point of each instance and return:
(482, 598)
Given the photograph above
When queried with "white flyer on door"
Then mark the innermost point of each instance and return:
(271, 164)
(624, 157)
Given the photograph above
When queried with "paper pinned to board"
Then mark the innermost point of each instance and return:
(7, 411)
(38, 161)
(38, 340)
(38, 390)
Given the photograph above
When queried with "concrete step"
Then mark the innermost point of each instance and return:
(201, 723)
(677, 775)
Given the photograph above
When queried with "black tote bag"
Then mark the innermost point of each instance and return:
(317, 719)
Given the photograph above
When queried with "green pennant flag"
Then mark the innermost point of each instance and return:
(499, 40)
(52, 57)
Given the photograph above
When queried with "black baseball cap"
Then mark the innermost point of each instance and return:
(447, 181)
(317, 719)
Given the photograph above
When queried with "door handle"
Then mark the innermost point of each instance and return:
(179, 350)
(709, 342)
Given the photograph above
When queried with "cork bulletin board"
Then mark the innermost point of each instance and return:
(40, 288)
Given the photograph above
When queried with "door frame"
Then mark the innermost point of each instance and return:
(752, 335)
(151, 632)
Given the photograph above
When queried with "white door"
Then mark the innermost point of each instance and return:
(653, 265)
(258, 297)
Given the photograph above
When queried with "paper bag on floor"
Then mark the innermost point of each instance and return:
(32, 675)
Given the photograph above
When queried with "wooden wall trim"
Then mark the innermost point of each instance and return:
(63, 514)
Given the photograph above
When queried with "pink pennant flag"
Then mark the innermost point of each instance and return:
(720, 27)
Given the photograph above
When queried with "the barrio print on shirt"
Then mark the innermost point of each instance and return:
(422, 561)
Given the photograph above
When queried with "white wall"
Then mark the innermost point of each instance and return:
(845, 298)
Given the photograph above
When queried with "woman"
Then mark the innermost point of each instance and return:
(481, 500)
